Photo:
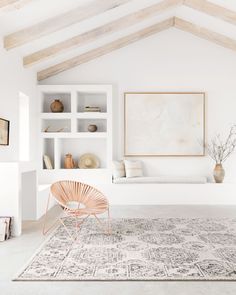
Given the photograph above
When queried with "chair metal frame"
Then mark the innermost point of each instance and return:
(94, 202)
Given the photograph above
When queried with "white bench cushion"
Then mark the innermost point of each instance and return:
(133, 168)
(162, 179)
(118, 169)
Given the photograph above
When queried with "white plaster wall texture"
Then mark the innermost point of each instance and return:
(171, 61)
(14, 79)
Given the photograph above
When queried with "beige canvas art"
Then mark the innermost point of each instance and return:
(164, 124)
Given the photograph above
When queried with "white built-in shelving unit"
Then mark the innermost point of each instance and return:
(75, 138)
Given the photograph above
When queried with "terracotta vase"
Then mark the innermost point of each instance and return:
(57, 106)
(92, 128)
(69, 162)
(219, 173)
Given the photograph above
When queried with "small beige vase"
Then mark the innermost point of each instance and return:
(69, 162)
(219, 173)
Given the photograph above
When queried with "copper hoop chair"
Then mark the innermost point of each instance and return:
(87, 201)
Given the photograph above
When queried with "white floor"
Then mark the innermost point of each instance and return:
(15, 252)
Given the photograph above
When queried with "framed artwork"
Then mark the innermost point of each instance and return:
(4, 131)
(164, 124)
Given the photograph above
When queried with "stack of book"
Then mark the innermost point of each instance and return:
(5, 228)
(92, 109)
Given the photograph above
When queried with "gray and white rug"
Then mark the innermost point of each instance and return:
(139, 249)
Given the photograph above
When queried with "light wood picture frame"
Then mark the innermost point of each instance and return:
(4, 131)
(164, 124)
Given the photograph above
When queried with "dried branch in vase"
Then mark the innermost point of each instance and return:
(219, 150)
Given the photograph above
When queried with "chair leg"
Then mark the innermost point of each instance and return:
(61, 221)
(45, 231)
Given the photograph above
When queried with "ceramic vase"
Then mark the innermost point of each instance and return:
(219, 173)
(69, 162)
(57, 106)
(92, 128)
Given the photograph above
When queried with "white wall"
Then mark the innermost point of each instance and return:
(13, 80)
(170, 61)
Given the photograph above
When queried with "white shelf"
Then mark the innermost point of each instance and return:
(91, 115)
(76, 139)
(74, 135)
(56, 116)
(98, 170)
(85, 115)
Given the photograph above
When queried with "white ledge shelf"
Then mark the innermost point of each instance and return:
(91, 115)
(85, 115)
(56, 116)
(77, 170)
(74, 135)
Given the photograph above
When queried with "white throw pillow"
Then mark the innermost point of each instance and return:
(133, 168)
(118, 169)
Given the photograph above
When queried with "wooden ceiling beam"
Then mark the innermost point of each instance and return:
(178, 23)
(95, 34)
(105, 49)
(212, 10)
(204, 33)
(60, 22)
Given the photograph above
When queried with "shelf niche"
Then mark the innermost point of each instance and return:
(78, 147)
(82, 125)
(49, 97)
(85, 99)
(48, 149)
(56, 125)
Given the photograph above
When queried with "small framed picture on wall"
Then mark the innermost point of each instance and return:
(4, 131)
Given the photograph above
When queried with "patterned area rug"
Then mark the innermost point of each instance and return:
(139, 249)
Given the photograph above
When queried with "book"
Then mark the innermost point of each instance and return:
(47, 162)
(92, 109)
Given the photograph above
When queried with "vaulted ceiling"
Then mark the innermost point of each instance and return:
(54, 36)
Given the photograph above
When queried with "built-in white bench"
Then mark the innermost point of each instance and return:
(161, 179)
(169, 190)
(189, 190)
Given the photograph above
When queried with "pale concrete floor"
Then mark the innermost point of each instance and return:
(15, 252)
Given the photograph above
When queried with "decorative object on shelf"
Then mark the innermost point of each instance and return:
(58, 130)
(92, 128)
(92, 109)
(4, 131)
(219, 173)
(57, 106)
(5, 228)
(69, 162)
(219, 150)
(47, 162)
(164, 124)
(88, 161)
